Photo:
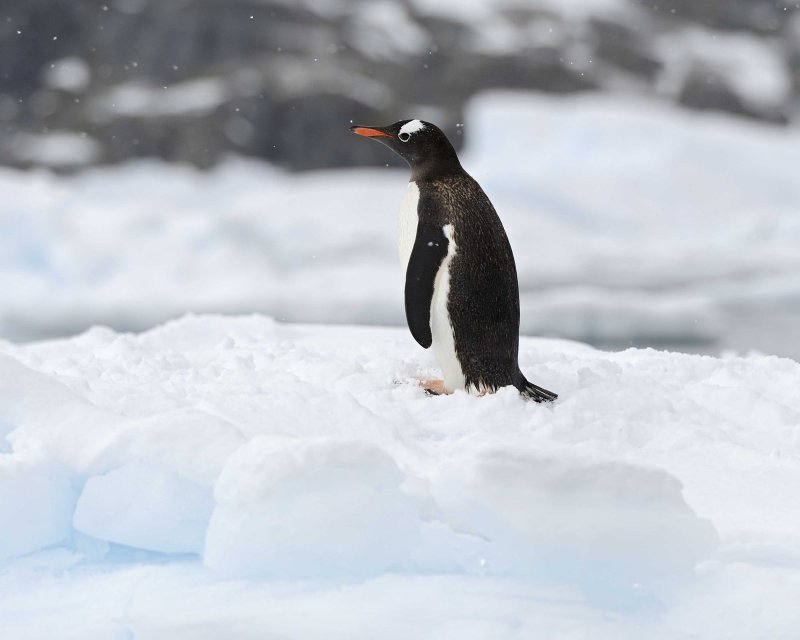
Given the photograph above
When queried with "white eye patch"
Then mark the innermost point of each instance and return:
(408, 128)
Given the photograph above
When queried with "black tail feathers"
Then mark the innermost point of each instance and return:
(530, 391)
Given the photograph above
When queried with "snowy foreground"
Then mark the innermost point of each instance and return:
(240, 478)
(632, 222)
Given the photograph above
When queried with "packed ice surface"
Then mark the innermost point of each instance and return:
(631, 221)
(238, 477)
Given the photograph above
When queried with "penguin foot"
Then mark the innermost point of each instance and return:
(433, 387)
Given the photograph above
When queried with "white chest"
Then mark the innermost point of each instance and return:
(407, 224)
(444, 346)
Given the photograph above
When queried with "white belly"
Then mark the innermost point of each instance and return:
(444, 346)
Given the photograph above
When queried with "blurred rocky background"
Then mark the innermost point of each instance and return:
(85, 82)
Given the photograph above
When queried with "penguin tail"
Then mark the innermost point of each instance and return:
(530, 391)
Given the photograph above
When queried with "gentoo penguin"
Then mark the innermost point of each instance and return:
(461, 291)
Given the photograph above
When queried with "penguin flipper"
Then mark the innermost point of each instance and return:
(430, 248)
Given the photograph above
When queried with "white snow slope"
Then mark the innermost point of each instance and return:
(630, 221)
(233, 477)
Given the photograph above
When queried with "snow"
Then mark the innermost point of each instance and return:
(755, 67)
(138, 98)
(37, 499)
(68, 74)
(384, 31)
(58, 149)
(269, 479)
(308, 508)
(140, 505)
(630, 221)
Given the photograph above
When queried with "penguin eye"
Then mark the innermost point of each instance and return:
(404, 136)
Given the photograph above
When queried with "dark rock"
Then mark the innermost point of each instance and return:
(543, 69)
(625, 48)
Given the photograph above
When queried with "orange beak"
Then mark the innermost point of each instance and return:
(369, 132)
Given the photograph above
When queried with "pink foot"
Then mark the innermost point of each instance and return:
(433, 387)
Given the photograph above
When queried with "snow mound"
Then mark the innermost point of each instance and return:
(278, 452)
(310, 508)
(141, 506)
(600, 524)
(36, 503)
(293, 451)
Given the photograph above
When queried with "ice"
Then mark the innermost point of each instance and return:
(145, 507)
(602, 525)
(138, 98)
(192, 442)
(68, 74)
(272, 468)
(310, 508)
(59, 149)
(36, 505)
(620, 316)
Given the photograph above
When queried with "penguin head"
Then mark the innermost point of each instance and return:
(421, 144)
